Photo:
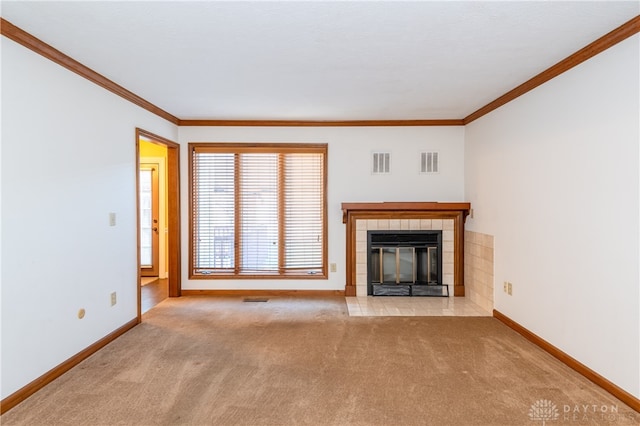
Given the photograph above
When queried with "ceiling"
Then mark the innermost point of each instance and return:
(319, 60)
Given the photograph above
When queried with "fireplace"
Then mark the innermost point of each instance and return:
(405, 263)
(360, 218)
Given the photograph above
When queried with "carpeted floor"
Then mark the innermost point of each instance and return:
(222, 361)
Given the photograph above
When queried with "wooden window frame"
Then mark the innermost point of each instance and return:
(271, 148)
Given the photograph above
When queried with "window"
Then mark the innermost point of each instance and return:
(258, 210)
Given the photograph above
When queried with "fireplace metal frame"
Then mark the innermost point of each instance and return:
(418, 242)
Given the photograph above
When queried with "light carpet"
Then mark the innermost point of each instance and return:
(304, 361)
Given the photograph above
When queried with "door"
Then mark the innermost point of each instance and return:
(149, 216)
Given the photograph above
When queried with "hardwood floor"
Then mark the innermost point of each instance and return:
(154, 293)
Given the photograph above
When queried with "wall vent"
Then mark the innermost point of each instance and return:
(429, 162)
(381, 163)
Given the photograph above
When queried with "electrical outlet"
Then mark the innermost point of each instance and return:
(333, 267)
(114, 300)
(509, 289)
(112, 219)
(505, 286)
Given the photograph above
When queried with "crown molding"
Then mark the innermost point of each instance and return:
(608, 40)
(321, 123)
(31, 42)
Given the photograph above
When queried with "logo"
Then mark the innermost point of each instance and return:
(544, 410)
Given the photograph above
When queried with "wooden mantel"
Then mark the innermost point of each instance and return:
(406, 210)
(396, 207)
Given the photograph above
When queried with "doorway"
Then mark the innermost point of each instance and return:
(158, 226)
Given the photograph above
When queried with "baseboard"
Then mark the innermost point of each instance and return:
(20, 395)
(273, 293)
(572, 363)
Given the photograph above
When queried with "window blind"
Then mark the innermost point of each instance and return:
(213, 212)
(258, 203)
(258, 210)
(303, 230)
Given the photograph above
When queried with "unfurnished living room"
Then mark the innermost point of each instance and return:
(320, 212)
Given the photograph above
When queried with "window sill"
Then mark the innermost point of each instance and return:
(312, 275)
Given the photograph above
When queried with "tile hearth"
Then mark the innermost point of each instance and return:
(368, 306)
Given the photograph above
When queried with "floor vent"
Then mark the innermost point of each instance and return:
(255, 299)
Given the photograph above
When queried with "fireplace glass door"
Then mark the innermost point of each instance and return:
(398, 265)
(427, 265)
(405, 268)
(388, 271)
(405, 264)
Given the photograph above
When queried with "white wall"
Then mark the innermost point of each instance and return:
(554, 176)
(349, 180)
(68, 159)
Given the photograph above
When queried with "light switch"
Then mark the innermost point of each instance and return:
(112, 219)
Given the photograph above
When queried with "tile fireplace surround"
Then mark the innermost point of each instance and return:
(401, 216)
